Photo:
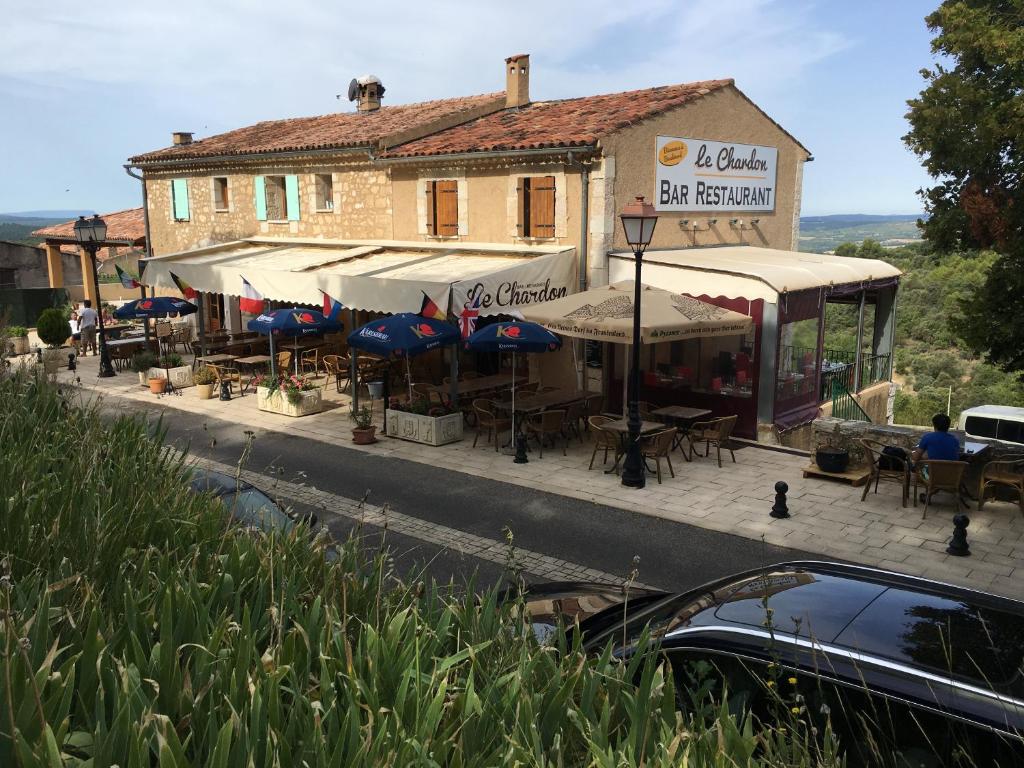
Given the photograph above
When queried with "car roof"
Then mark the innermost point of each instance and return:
(999, 411)
(217, 483)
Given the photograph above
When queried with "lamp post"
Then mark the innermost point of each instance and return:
(90, 234)
(638, 220)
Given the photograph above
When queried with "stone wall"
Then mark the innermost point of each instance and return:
(29, 265)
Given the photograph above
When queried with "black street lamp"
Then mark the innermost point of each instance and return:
(638, 220)
(90, 234)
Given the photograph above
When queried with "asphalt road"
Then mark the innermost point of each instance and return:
(673, 556)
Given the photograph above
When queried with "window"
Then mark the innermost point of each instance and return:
(277, 198)
(220, 193)
(324, 192)
(536, 202)
(443, 208)
(8, 278)
(179, 199)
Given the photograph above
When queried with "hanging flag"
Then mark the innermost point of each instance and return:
(431, 310)
(186, 290)
(469, 315)
(332, 307)
(127, 280)
(251, 300)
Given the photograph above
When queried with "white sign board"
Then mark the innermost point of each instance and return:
(699, 175)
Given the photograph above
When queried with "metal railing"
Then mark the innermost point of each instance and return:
(839, 366)
(845, 405)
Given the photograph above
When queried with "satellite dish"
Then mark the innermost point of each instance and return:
(353, 90)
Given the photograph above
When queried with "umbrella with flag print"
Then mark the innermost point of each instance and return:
(157, 306)
(294, 322)
(403, 335)
(514, 337)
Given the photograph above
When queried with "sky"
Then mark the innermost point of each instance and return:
(85, 86)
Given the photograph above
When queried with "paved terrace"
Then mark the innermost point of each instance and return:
(828, 517)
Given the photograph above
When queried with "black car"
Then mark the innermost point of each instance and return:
(908, 671)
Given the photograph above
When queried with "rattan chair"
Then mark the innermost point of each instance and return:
(284, 361)
(1008, 472)
(548, 424)
(885, 466)
(165, 337)
(575, 414)
(604, 440)
(231, 375)
(310, 358)
(594, 406)
(716, 432)
(658, 446)
(336, 368)
(936, 476)
(487, 422)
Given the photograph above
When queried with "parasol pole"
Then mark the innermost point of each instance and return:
(513, 387)
(273, 358)
(295, 354)
(408, 377)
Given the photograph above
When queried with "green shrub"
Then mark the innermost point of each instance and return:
(17, 331)
(204, 375)
(53, 328)
(171, 360)
(143, 361)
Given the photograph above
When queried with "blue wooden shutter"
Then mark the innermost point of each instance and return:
(259, 184)
(179, 196)
(291, 196)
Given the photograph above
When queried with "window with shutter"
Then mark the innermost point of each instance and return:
(324, 192)
(443, 208)
(536, 206)
(276, 198)
(220, 193)
(179, 199)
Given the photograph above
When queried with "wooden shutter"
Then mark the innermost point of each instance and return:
(446, 205)
(179, 199)
(260, 185)
(431, 207)
(291, 194)
(542, 206)
(522, 206)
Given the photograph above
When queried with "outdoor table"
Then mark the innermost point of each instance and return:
(216, 358)
(621, 427)
(251, 362)
(472, 387)
(682, 417)
(125, 342)
(543, 400)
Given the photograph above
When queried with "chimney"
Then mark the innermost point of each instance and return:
(517, 83)
(371, 90)
(181, 137)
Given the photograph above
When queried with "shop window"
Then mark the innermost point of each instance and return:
(220, 193)
(324, 191)
(179, 199)
(721, 365)
(443, 208)
(277, 198)
(8, 278)
(536, 206)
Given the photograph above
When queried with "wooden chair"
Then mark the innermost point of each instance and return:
(885, 467)
(165, 337)
(336, 368)
(548, 424)
(575, 413)
(487, 422)
(658, 446)
(936, 476)
(716, 432)
(284, 360)
(1008, 472)
(603, 440)
(231, 375)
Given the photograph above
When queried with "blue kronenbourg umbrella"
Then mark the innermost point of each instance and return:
(514, 337)
(293, 322)
(403, 335)
(157, 306)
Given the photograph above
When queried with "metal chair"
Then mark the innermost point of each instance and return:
(716, 432)
(1008, 472)
(603, 440)
(937, 476)
(658, 446)
(574, 414)
(885, 466)
(548, 424)
(487, 422)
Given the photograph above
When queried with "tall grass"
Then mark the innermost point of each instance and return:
(138, 630)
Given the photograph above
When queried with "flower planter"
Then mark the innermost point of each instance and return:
(204, 391)
(52, 359)
(310, 402)
(179, 377)
(20, 345)
(429, 430)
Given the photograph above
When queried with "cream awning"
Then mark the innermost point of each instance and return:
(606, 314)
(747, 272)
(386, 276)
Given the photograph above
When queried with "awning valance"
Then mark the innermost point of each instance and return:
(387, 276)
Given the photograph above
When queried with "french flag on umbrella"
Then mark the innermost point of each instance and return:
(332, 307)
(251, 300)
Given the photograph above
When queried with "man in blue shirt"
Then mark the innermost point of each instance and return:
(938, 445)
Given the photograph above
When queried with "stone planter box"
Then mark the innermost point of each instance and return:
(274, 402)
(19, 345)
(429, 430)
(180, 377)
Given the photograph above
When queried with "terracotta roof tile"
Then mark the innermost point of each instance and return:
(566, 123)
(124, 226)
(338, 130)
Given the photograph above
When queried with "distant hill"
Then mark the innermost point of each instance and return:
(61, 214)
(18, 228)
(822, 234)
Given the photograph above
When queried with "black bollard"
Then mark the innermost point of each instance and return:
(520, 450)
(225, 389)
(780, 510)
(71, 361)
(958, 544)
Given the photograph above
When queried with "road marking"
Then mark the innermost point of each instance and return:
(492, 550)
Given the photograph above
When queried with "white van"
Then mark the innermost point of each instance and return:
(1002, 422)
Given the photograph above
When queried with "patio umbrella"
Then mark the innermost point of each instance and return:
(403, 335)
(157, 306)
(294, 322)
(514, 337)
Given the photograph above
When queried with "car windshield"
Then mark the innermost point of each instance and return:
(253, 508)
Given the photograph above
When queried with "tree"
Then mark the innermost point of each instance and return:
(966, 127)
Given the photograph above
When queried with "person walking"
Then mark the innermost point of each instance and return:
(87, 320)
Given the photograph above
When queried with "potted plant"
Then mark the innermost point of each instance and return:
(141, 363)
(53, 330)
(421, 421)
(288, 395)
(173, 368)
(365, 431)
(19, 339)
(204, 379)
